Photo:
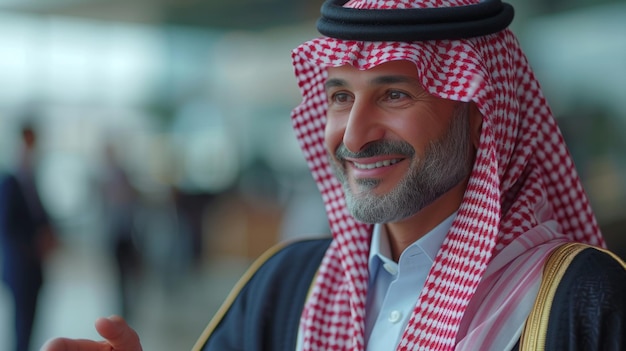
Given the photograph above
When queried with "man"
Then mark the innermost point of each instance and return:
(26, 237)
(448, 189)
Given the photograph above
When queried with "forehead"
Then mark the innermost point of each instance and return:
(391, 68)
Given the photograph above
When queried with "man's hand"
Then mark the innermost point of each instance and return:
(117, 334)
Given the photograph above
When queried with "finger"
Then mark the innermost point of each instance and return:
(121, 337)
(65, 344)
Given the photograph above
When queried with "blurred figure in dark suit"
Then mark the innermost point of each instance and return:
(26, 237)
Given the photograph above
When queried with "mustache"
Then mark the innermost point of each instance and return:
(377, 148)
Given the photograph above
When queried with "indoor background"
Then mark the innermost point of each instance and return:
(193, 97)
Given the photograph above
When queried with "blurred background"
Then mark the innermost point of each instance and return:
(166, 157)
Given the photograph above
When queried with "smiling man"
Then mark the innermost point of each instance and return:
(458, 219)
(402, 155)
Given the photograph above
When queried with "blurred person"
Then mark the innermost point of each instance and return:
(458, 218)
(119, 207)
(26, 237)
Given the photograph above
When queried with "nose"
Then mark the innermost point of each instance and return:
(363, 126)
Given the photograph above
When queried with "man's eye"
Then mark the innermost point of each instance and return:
(395, 95)
(341, 97)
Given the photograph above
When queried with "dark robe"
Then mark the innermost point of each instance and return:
(587, 312)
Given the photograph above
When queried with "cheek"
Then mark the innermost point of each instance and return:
(333, 136)
(419, 132)
(416, 135)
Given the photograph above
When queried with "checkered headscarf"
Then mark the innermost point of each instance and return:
(521, 164)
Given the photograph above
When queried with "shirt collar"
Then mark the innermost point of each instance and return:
(380, 250)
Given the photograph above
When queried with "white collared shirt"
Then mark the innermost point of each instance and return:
(394, 287)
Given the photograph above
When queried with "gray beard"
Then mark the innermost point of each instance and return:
(446, 162)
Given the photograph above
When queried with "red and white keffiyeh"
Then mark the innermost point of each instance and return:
(523, 191)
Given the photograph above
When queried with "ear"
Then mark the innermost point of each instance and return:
(475, 122)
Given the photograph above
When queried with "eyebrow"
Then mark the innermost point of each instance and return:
(334, 82)
(380, 80)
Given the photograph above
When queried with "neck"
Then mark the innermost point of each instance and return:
(405, 232)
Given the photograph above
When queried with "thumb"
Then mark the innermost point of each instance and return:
(117, 332)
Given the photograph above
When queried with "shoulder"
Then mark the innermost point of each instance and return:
(286, 269)
(593, 270)
(287, 263)
(281, 266)
(593, 285)
(589, 308)
(300, 250)
(265, 304)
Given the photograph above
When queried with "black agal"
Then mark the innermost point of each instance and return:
(416, 24)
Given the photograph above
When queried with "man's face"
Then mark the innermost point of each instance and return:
(394, 147)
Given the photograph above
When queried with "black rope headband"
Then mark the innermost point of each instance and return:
(415, 24)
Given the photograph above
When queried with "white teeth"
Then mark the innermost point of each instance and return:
(375, 165)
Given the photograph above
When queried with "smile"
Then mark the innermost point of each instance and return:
(378, 164)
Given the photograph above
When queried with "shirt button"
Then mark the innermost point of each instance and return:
(391, 269)
(395, 316)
